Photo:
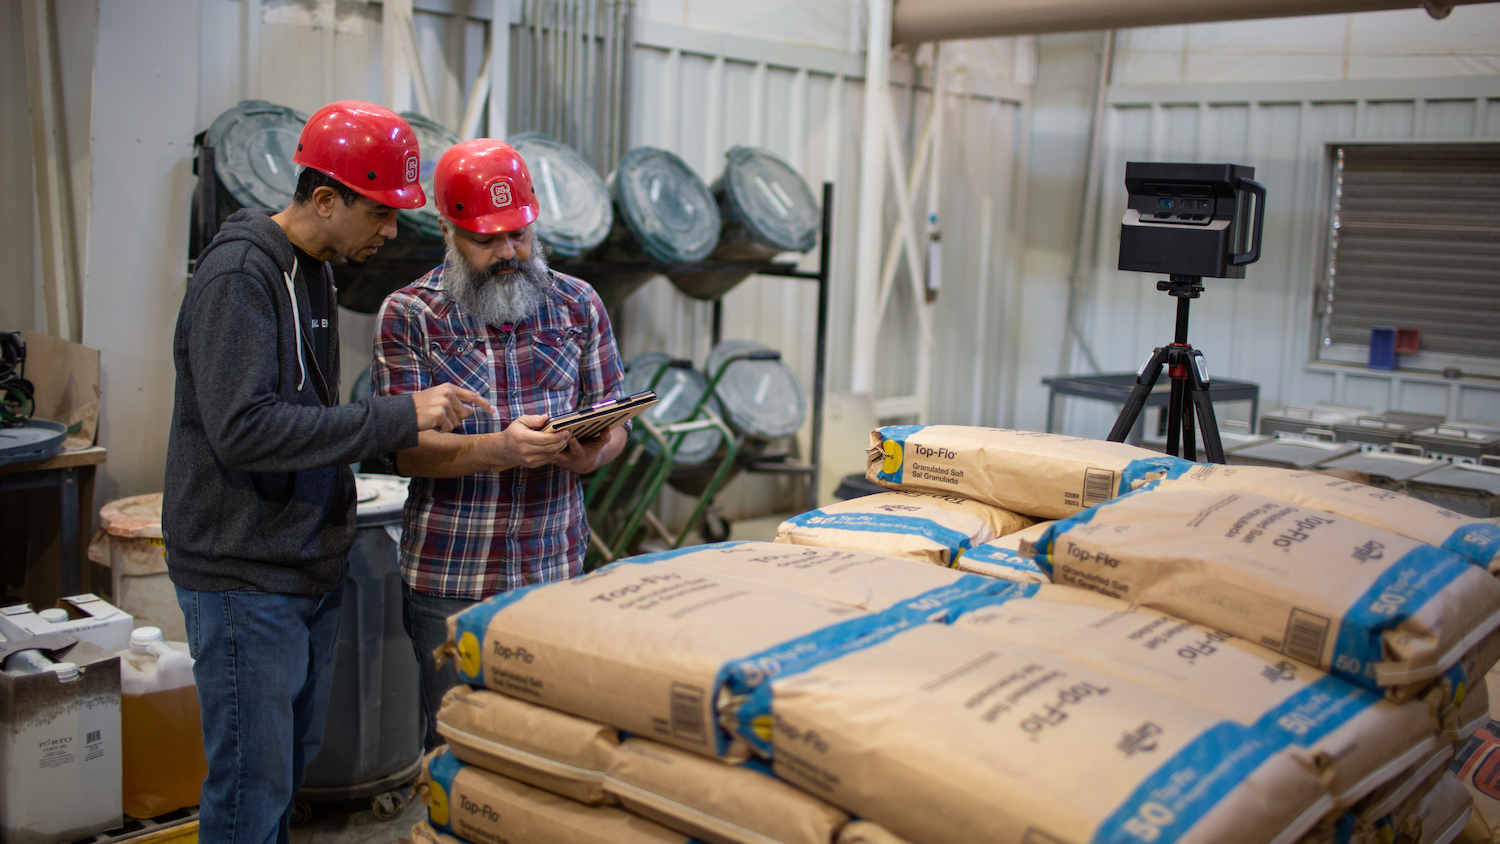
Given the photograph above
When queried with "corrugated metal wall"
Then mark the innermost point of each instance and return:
(1261, 328)
(698, 97)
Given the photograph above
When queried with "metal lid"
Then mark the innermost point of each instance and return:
(1299, 454)
(1465, 476)
(575, 208)
(433, 139)
(770, 199)
(35, 440)
(1397, 467)
(665, 205)
(380, 499)
(761, 397)
(1471, 433)
(253, 147)
(677, 391)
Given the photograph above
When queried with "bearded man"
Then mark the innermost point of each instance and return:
(497, 504)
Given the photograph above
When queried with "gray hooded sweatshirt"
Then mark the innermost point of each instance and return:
(259, 494)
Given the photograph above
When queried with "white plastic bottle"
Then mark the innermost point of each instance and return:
(161, 727)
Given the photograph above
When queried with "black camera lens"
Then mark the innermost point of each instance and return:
(1166, 203)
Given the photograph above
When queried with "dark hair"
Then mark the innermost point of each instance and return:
(311, 180)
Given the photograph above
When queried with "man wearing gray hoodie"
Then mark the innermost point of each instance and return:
(259, 511)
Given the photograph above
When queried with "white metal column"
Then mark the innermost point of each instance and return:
(58, 259)
(871, 196)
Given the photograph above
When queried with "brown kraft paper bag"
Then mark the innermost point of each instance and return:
(483, 807)
(1377, 609)
(1352, 737)
(641, 647)
(928, 528)
(866, 580)
(1044, 475)
(1471, 538)
(945, 737)
(532, 744)
(714, 802)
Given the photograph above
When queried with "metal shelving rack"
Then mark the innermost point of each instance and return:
(588, 270)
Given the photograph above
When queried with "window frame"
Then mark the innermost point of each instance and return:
(1325, 351)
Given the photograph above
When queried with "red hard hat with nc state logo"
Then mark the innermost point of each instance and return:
(484, 186)
(367, 147)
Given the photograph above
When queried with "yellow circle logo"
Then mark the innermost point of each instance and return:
(437, 805)
(892, 463)
(1459, 693)
(468, 654)
(761, 724)
(953, 563)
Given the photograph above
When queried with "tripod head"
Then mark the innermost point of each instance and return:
(1182, 286)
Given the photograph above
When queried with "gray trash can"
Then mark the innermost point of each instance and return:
(372, 745)
(677, 392)
(253, 146)
(767, 209)
(663, 212)
(575, 214)
(762, 399)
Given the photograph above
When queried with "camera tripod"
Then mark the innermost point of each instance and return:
(1189, 380)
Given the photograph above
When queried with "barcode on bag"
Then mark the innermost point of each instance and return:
(1305, 633)
(93, 737)
(687, 713)
(1098, 486)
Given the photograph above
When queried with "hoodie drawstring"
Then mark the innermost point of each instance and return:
(297, 322)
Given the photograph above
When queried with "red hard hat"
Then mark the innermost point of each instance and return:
(367, 147)
(484, 186)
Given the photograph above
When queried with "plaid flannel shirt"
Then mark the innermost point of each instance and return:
(474, 536)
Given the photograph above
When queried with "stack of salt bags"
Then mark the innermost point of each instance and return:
(657, 646)
(1257, 552)
(1383, 611)
(1375, 755)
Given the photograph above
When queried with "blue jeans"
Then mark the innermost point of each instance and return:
(264, 670)
(426, 619)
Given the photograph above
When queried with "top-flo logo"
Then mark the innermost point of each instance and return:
(468, 654)
(500, 193)
(893, 457)
(413, 164)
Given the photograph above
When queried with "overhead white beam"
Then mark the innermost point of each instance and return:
(867, 250)
(917, 21)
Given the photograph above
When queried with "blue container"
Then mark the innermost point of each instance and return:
(1382, 347)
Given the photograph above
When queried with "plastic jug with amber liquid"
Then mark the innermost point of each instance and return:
(161, 727)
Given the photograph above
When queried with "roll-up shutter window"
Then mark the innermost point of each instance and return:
(1415, 243)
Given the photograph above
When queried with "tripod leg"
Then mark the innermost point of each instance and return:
(1145, 380)
(1175, 416)
(1212, 445)
(1189, 442)
(1197, 385)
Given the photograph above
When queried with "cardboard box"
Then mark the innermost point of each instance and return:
(90, 618)
(60, 754)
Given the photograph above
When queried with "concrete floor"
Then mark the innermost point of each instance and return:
(352, 822)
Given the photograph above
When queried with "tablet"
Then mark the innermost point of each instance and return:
(593, 421)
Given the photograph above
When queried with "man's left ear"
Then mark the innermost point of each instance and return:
(323, 199)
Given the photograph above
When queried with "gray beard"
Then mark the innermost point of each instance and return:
(495, 299)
